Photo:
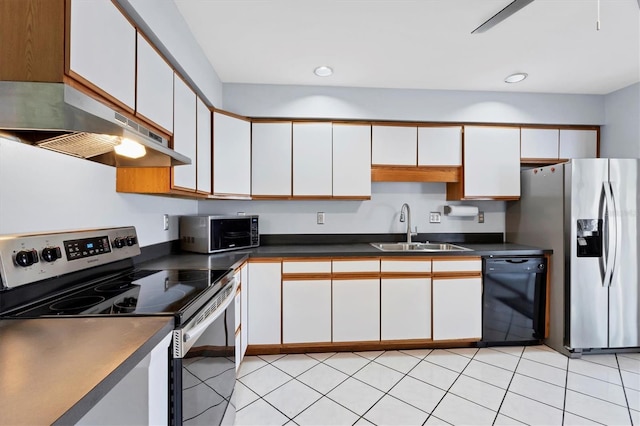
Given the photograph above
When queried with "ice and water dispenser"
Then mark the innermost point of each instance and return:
(589, 236)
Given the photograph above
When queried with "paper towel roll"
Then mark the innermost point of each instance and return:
(461, 210)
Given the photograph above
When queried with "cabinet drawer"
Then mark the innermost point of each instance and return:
(462, 265)
(422, 266)
(356, 266)
(304, 267)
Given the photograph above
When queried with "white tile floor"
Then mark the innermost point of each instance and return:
(502, 386)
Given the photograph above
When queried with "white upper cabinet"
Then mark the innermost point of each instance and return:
(154, 86)
(491, 162)
(271, 159)
(394, 145)
(440, 146)
(312, 168)
(231, 155)
(184, 136)
(539, 143)
(351, 160)
(578, 143)
(203, 155)
(103, 48)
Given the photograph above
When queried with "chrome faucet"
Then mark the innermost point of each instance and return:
(408, 219)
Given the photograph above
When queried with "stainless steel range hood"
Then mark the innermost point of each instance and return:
(59, 117)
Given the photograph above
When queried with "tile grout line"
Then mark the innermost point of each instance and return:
(513, 374)
(624, 390)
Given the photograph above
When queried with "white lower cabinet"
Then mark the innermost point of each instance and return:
(264, 303)
(306, 311)
(244, 311)
(356, 310)
(457, 308)
(405, 308)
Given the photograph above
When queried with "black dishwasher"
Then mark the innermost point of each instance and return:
(513, 300)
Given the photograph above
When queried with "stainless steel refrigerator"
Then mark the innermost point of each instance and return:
(586, 210)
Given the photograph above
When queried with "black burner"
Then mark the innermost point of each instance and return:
(75, 305)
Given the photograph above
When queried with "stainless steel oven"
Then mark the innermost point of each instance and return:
(91, 273)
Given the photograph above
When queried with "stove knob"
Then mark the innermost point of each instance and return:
(26, 258)
(51, 254)
(118, 242)
(131, 240)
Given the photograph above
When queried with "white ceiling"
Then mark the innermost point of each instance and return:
(421, 44)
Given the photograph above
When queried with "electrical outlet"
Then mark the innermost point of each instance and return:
(165, 221)
(320, 218)
(480, 217)
(434, 217)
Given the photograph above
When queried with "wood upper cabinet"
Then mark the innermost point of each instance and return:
(271, 159)
(491, 164)
(578, 143)
(538, 144)
(351, 160)
(312, 160)
(102, 44)
(440, 146)
(394, 145)
(231, 155)
(154, 86)
(203, 147)
(184, 135)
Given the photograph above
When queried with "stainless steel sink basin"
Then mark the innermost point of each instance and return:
(418, 247)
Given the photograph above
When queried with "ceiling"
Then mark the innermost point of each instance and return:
(421, 44)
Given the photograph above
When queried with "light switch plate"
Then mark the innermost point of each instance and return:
(434, 217)
(480, 217)
(320, 218)
(165, 222)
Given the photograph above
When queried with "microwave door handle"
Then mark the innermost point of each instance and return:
(610, 234)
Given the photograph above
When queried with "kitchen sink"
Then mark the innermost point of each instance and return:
(418, 247)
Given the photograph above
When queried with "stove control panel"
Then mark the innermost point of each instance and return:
(29, 258)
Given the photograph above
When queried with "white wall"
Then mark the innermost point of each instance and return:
(162, 22)
(421, 105)
(379, 215)
(620, 136)
(42, 191)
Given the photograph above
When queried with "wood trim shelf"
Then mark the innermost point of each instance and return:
(416, 174)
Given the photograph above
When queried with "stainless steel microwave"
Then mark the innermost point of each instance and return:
(217, 233)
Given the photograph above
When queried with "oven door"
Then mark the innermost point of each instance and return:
(203, 372)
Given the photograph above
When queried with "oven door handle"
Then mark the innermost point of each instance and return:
(190, 336)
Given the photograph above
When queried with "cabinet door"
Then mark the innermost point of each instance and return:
(103, 48)
(351, 160)
(457, 308)
(356, 310)
(184, 135)
(394, 145)
(231, 155)
(491, 162)
(539, 143)
(440, 146)
(405, 308)
(154, 99)
(271, 159)
(244, 309)
(578, 143)
(203, 155)
(264, 303)
(312, 174)
(306, 311)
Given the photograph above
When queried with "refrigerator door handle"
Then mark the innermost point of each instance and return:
(612, 234)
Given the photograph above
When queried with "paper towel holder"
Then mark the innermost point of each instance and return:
(468, 211)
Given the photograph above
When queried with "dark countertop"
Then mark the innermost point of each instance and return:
(234, 258)
(54, 370)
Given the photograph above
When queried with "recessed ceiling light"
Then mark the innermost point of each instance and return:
(323, 71)
(516, 78)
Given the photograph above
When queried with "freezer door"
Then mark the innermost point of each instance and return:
(624, 296)
(586, 314)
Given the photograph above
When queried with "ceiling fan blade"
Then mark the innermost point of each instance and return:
(509, 10)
